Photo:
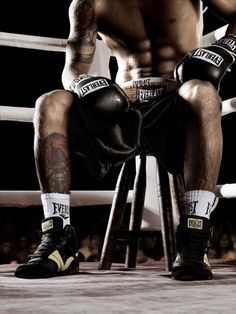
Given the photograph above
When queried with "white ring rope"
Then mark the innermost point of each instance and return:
(228, 106)
(23, 114)
(19, 114)
(32, 42)
(59, 44)
(78, 198)
(214, 35)
(226, 190)
(88, 198)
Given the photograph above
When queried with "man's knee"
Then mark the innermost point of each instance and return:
(52, 105)
(201, 96)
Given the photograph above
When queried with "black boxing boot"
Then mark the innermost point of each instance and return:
(193, 241)
(56, 254)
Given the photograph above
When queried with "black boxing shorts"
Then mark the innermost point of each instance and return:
(154, 125)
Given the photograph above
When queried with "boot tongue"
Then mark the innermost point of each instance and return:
(52, 224)
(193, 235)
(194, 223)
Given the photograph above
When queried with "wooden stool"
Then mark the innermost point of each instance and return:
(164, 201)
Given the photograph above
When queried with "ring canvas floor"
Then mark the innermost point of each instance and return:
(146, 289)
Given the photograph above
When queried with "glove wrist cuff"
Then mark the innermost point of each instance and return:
(228, 42)
(74, 85)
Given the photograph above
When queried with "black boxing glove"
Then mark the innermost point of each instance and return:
(102, 102)
(208, 63)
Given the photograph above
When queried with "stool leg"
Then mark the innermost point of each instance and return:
(166, 213)
(116, 215)
(178, 186)
(136, 214)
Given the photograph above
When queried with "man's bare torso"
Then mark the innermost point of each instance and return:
(148, 37)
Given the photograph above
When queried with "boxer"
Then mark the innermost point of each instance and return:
(165, 101)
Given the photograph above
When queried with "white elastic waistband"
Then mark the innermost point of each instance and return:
(145, 81)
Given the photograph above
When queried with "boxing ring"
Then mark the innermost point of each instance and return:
(101, 67)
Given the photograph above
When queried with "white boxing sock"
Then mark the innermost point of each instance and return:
(57, 205)
(199, 202)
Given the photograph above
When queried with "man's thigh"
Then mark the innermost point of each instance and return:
(165, 132)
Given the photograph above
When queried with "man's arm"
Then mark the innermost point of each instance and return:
(211, 63)
(81, 43)
(225, 10)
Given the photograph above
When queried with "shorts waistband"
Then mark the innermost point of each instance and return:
(145, 89)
